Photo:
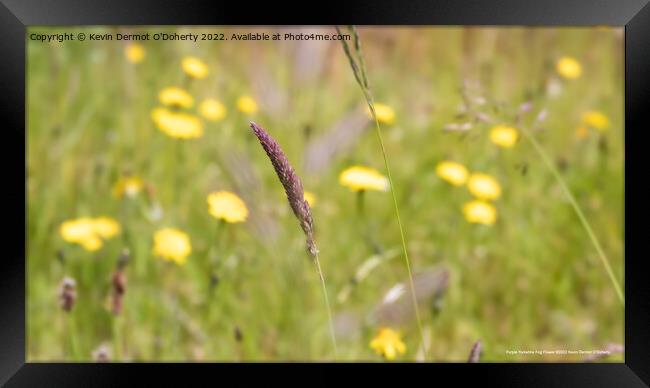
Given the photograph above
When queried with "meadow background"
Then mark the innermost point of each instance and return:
(248, 291)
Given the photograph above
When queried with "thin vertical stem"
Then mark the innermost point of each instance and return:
(71, 329)
(360, 75)
(403, 238)
(327, 303)
(578, 210)
(213, 261)
(363, 225)
(295, 195)
(117, 338)
(360, 203)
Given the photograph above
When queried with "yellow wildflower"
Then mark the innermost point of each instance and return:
(77, 230)
(89, 232)
(595, 119)
(176, 97)
(568, 67)
(504, 136)
(194, 67)
(129, 186)
(385, 114)
(388, 343)
(360, 178)
(483, 186)
(212, 110)
(227, 206)
(480, 212)
(246, 104)
(172, 245)
(92, 243)
(134, 52)
(178, 125)
(105, 227)
(452, 172)
(310, 198)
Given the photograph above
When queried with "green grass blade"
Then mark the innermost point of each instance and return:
(359, 71)
(327, 304)
(574, 203)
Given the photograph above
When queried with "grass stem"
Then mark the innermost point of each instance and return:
(296, 196)
(327, 304)
(359, 71)
(574, 203)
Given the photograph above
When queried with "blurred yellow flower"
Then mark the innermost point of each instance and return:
(504, 136)
(385, 114)
(88, 232)
(227, 206)
(178, 125)
(360, 178)
(129, 186)
(172, 245)
(480, 212)
(582, 132)
(388, 343)
(452, 172)
(105, 227)
(568, 67)
(77, 230)
(176, 97)
(92, 243)
(483, 186)
(134, 52)
(212, 109)
(310, 198)
(246, 104)
(595, 119)
(194, 67)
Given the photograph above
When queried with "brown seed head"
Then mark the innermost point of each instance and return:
(475, 353)
(67, 293)
(118, 290)
(239, 336)
(291, 183)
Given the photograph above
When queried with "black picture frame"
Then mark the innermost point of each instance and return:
(16, 15)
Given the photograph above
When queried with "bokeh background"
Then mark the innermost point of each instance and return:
(247, 290)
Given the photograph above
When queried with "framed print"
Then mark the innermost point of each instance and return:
(430, 187)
